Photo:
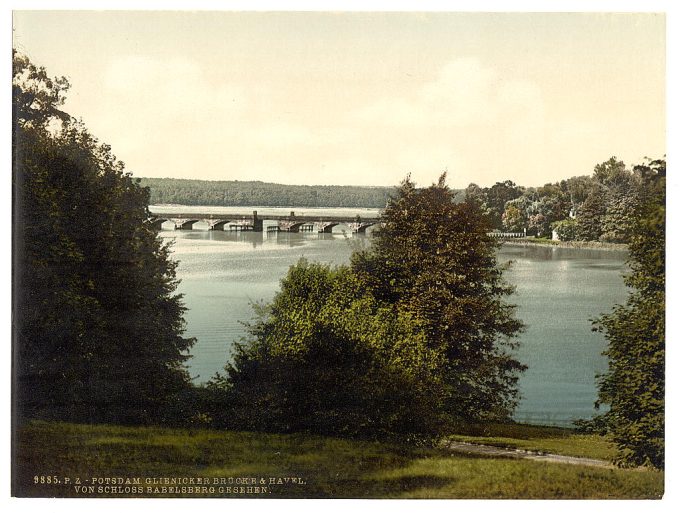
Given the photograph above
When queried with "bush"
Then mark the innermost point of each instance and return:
(325, 357)
(566, 229)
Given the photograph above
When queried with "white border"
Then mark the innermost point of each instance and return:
(106, 505)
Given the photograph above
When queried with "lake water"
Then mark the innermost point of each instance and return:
(558, 291)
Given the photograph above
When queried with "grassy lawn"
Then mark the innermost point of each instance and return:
(537, 438)
(568, 244)
(323, 467)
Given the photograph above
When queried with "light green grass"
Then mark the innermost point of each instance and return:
(330, 467)
(537, 438)
(566, 244)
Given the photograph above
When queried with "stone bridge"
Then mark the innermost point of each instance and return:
(254, 222)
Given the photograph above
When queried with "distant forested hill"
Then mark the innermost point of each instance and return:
(237, 193)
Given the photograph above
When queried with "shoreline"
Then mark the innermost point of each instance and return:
(603, 246)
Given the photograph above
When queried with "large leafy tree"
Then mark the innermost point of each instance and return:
(325, 356)
(590, 214)
(619, 217)
(433, 259)
(607, 212)
(621, 187)
(551, 206)
(98, 325)
(633, 386)
(577, 188)
(497, 196)
(515, 216)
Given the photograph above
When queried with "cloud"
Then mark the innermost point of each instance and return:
(468, 119)
(176, 120)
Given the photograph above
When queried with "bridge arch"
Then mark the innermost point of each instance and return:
(216, 224)
(184, 224)
(361, 227)
(290, 226)
(327, 227)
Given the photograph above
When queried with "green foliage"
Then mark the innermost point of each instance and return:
(35, 96)
(602, 205)
(589, 215)
(577, 188)
(97, 323)
(515, 217)
(326, 357)
(617, 223)
(255, 193)
(432, 258)
(633, 386)
(612, 174)
(545, 211)
(496, 198)
(566, 229)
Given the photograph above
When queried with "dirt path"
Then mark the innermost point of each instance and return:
(506, 452)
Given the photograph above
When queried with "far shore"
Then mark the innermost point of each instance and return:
(606, 246)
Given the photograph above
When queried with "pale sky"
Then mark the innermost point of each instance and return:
(360, 98)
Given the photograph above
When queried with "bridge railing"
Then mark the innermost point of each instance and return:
(506, 235)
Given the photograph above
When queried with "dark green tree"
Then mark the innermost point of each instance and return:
(497, 196)
(550, 208)
(612, 174)
(606, 213)
(433, 259)
(515, 217)
(577, 189)
(633, 386)
(97, 323)
(618, 220)
(590, 214)
(326, 357)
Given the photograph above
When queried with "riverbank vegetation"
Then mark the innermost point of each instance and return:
(329, 467)
(574, 244)
(582, 208)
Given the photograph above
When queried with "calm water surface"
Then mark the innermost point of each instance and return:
(558, 291)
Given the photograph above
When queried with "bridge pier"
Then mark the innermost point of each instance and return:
(257, 222)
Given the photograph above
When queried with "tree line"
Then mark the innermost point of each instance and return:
(413, 337)
(599, 207)
(255, 193)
